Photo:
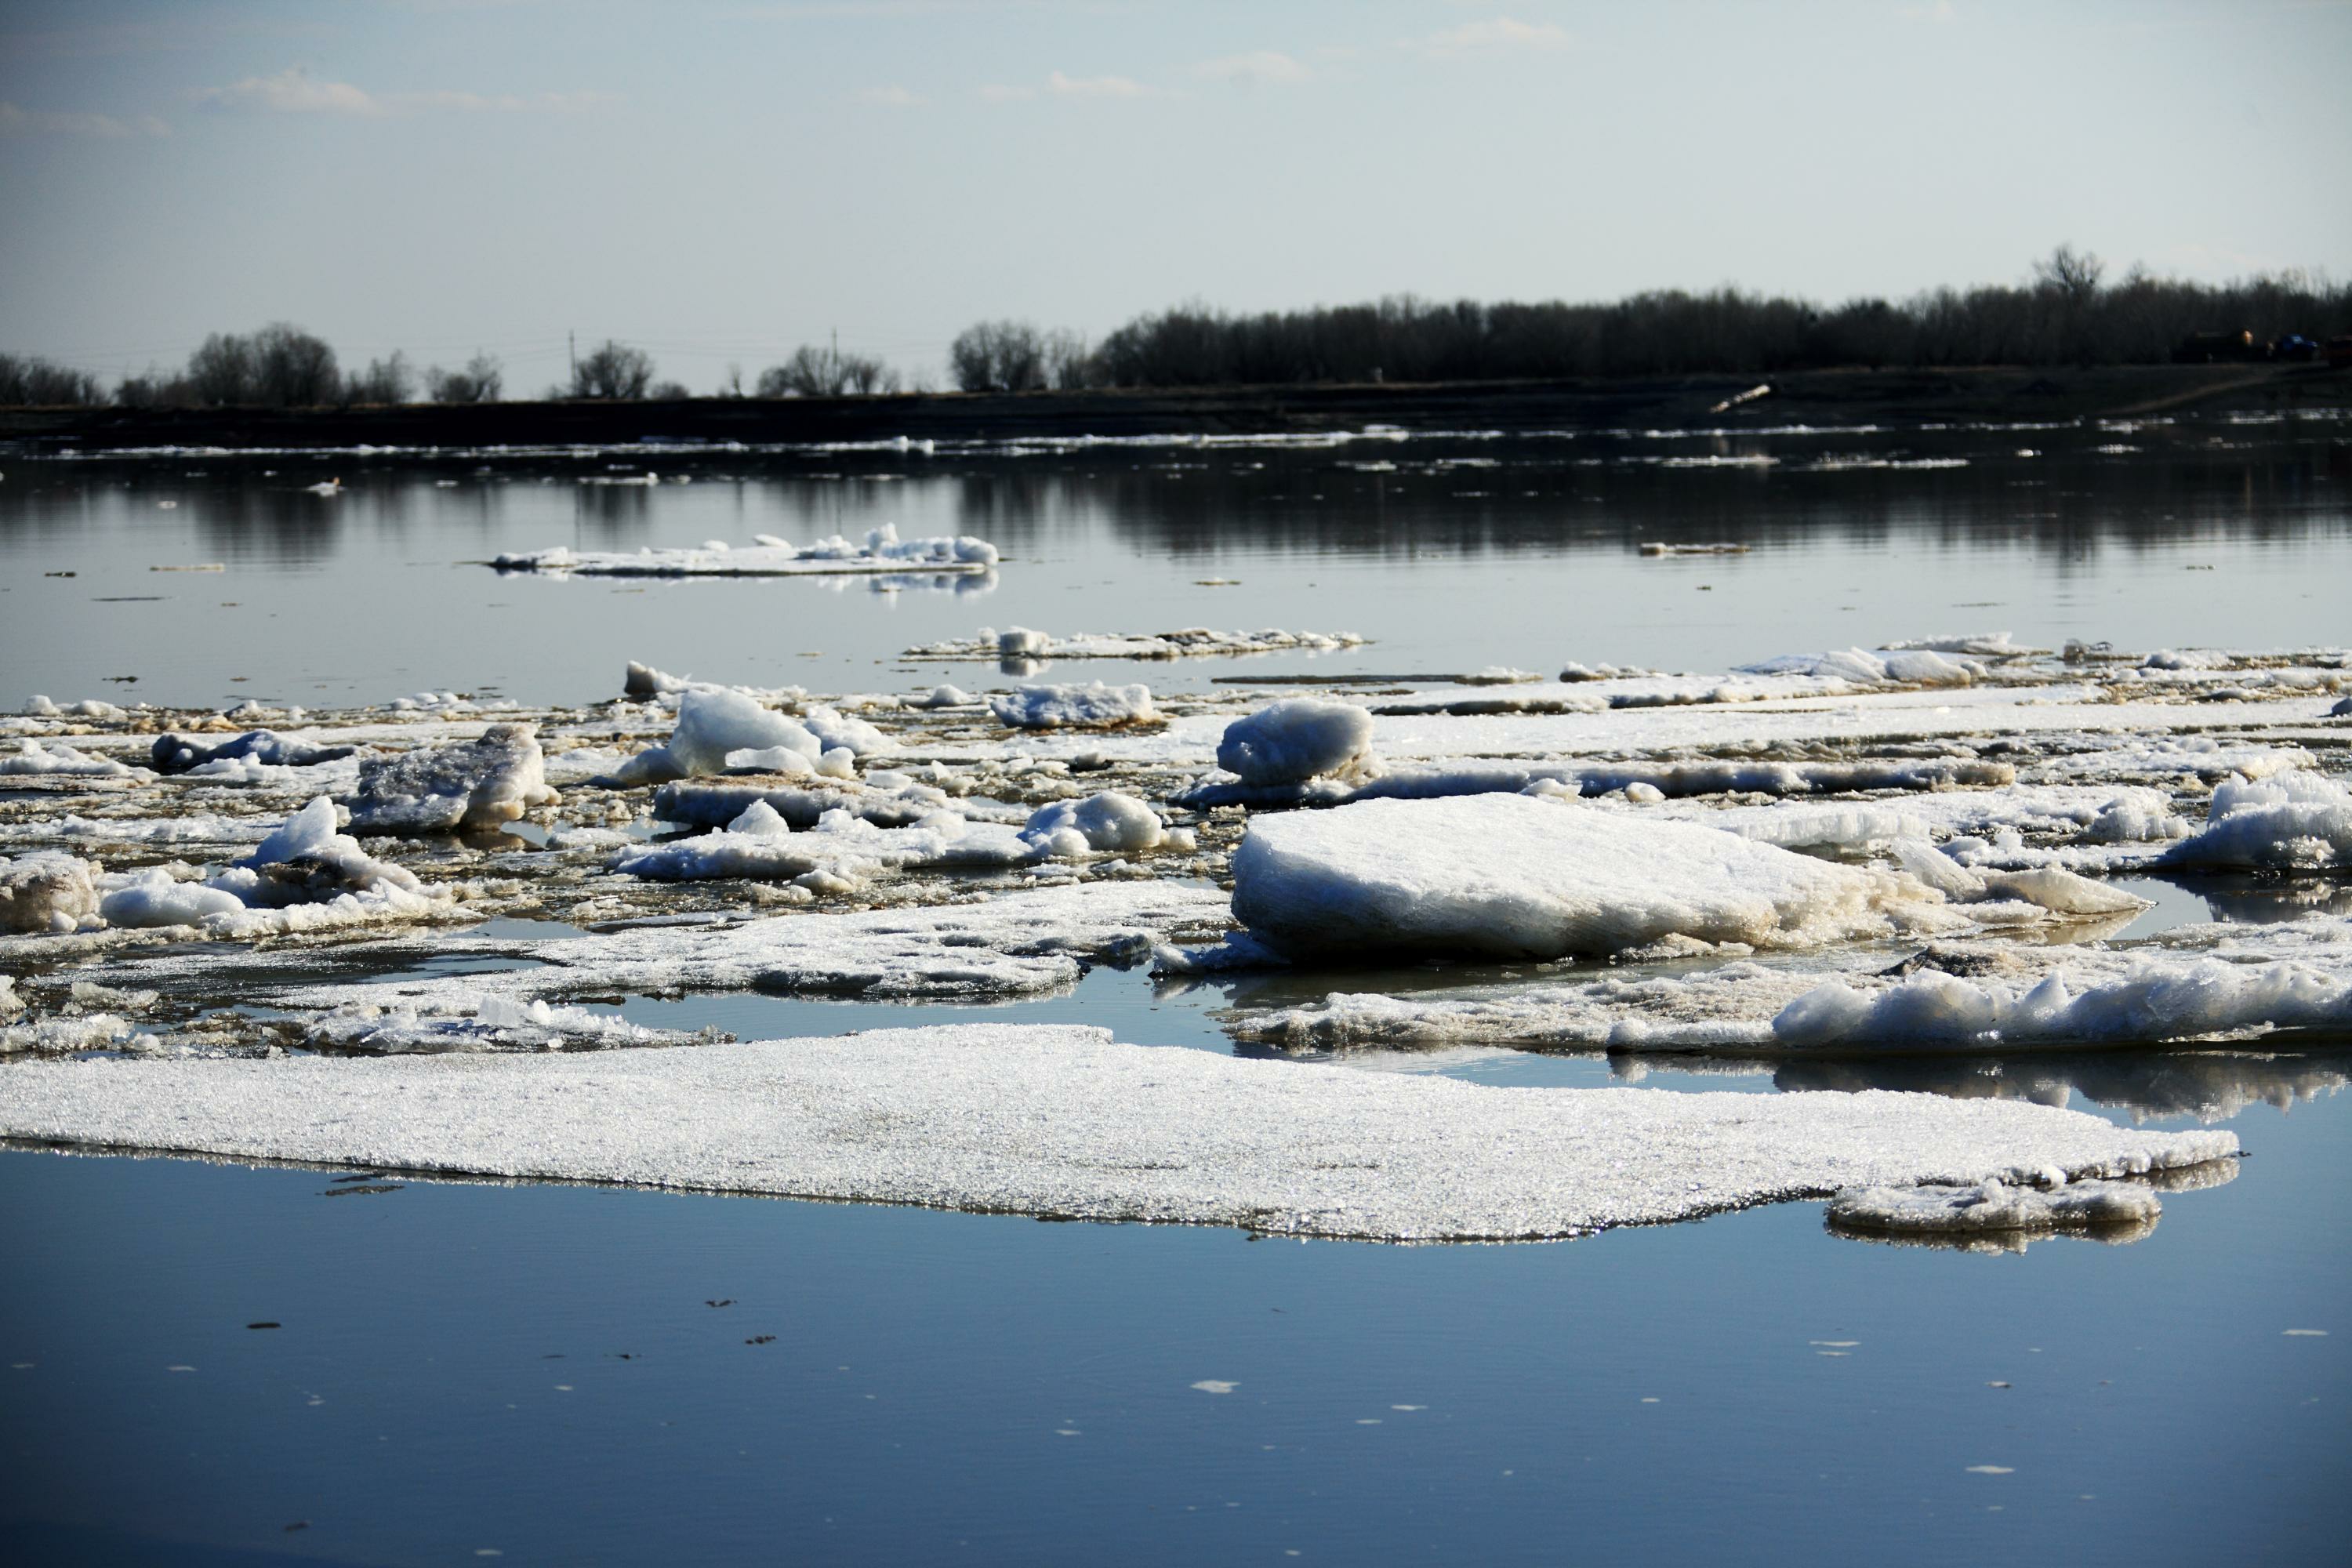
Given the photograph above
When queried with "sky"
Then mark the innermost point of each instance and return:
(719, 183)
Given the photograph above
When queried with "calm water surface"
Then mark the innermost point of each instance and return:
(537, 1370)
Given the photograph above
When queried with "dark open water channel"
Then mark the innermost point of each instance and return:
(461, 1370)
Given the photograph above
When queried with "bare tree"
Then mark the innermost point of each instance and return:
(998, 356)
(826, 372)
(668, 391)
(2072, 275)
(386, 381)
(480, 382)
(614, 372)
(292, 368)
(28, 381)
(221, 371)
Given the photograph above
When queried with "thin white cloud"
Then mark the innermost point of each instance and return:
(1258, 65)
(296, 92)
(1095, 86)
(17, 120)
(892, 97)
(1496, 34)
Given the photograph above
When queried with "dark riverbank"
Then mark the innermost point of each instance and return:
(1886, 398)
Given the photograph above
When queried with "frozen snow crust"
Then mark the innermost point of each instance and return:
(1516, 876)
(1063, 1122)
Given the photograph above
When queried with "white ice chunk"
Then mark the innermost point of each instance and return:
(46, 892)
(2289, 820)
(1103, 824)
(1089, 707)
(1513, 877)
(1993, 1206)
(479, 783)
(57, 759)
(1296, 740)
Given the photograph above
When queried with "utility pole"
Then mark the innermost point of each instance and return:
(572, 352)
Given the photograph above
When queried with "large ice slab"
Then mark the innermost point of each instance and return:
(1063, 1122)
(767, 556)
(1191, 642)
(1514, 877)
(478, 783)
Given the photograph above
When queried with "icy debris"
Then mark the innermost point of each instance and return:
(1511, 877)
(1296, 739)
(944, 697)
(714, 723)
(56, 759)
(487, 1024)
(1671, 779)
(47, 891)
(76, 1032)
(305, 876)
(2153, 999)
(1191, 642)
(39, 707)
(1995, 1204)
(2289, 821)
(1062, 1121)
(713, 802)
(1659, 547)
(840, 853)
(479, 783)
(174, 753)
(642, 680)
(882, 550)
(1094, 706)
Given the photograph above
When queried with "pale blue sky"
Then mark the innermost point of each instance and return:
(720, 182)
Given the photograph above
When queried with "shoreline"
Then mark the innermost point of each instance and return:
(1886, 399)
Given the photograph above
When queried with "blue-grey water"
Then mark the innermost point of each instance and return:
(459, 1370)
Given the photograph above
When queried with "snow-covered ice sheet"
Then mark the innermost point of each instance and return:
(1063, 1122)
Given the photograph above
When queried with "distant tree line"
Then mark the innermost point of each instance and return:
(2066, 312)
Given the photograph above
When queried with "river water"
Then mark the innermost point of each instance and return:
(582, 1374)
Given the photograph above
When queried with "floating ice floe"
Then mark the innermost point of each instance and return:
(768, 556)
(478, 783)
(39, 707)
(1192, 642)
(1670, 780)
(1063, 1122)
(1995, 1204)
(1888, 666)
(1970, 997)
(1512, 877)
(1094, 706)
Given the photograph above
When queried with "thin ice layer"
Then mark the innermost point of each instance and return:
(1062, 1121)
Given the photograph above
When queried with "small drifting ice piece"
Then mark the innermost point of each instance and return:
(944, 697)
(1019, 642)
(1294, 740)
(179, 754)
(487, 1024)
(1094, 706)
(1995, 1204)
(46, 892)
(1660, 547)
(882, 550)
(1737, 398)
(1514, 877)
(1190, 642)
(56, 760)
(479, 785)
